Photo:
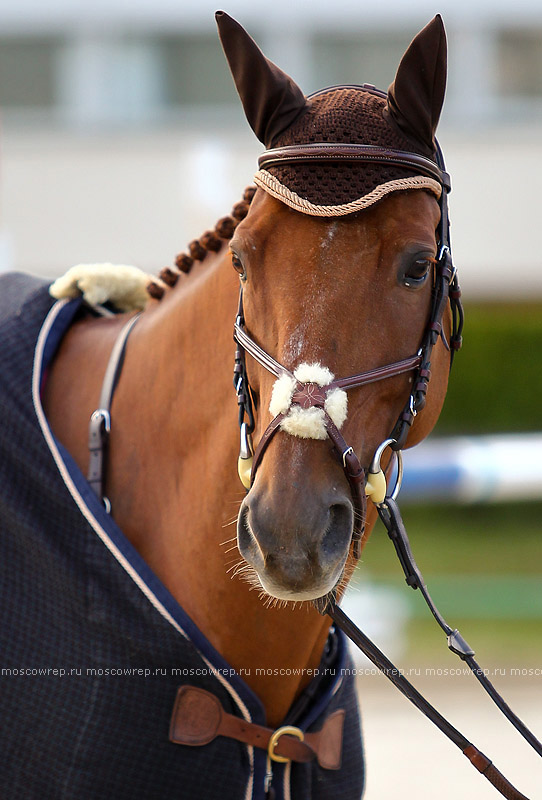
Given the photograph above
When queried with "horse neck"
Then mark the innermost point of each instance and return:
(175, 412)
(175, 423)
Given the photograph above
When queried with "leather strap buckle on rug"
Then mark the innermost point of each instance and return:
(198, 718)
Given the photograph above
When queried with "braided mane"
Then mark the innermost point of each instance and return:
(208, 242)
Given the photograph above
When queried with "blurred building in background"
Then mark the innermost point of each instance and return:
(122, 137)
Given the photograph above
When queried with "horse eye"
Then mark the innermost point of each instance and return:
(417, 271)
(238, 266)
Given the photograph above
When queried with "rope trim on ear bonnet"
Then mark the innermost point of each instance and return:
(278, 190)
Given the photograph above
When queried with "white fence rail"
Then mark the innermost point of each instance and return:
(475, 469)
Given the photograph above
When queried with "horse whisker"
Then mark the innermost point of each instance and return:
(228, 541)
(237, 565)
(246, 572)
(231, 522)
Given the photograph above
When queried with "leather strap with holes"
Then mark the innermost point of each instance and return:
(198, 718)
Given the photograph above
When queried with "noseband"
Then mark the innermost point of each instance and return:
(307, 394)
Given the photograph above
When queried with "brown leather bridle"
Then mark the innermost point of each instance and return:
(310, 395)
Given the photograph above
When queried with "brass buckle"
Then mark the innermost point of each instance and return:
(286, 729)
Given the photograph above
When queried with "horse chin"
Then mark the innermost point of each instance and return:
(319, 594)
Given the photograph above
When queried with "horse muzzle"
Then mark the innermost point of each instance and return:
(296, 542)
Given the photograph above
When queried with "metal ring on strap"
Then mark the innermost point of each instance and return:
(100, 420)
(289, 730)
(376, 468)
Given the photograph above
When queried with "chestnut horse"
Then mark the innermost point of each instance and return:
(174, 417)
(350, 292)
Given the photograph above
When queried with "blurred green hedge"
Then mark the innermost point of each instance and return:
(496, 379)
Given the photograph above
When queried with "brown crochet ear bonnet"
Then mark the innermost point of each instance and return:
(281, 116)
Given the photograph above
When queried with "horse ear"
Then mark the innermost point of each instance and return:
(416, 96)
(270, 98)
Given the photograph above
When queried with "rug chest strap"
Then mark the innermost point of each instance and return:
(198, 718)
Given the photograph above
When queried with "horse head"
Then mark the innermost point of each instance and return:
(344, 270)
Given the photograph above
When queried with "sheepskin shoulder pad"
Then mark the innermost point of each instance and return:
(125, 287)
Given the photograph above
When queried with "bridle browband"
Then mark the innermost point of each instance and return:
(326, 152)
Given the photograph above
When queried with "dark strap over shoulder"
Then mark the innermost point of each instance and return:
(100, 420)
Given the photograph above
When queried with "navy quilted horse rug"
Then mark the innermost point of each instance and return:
(93, 647)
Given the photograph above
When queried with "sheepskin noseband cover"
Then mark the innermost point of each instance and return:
(307, 422)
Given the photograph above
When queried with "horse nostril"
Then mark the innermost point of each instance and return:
(339, 531)
(244, 536)
(243, 532)
(247, 541)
